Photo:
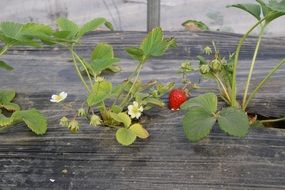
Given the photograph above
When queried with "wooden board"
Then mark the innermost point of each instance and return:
(93, 159)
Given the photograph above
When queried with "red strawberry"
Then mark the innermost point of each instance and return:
(176, 97)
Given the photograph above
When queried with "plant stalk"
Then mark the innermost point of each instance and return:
(262, 82)
(242, 40)
(272, 120)
(252, 66)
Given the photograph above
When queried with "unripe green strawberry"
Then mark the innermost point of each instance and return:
(204, 69)
(216, 65)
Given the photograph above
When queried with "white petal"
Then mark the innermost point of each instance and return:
(53, 100)
(130, 107)
(141, 109)
(138, 115)
(132, 115)
(135, 104)
(63, 95)
(53, 96)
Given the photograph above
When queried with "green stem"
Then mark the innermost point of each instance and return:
(262, 82)
(272, 120)
(223, 87)
(138, 70)
(84, 66)
(233, 94)
(4, 49)
(79, 74)
(252, 66)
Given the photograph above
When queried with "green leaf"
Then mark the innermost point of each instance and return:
(11, 29)
(109, 25)
(136, 53)
(202, 60)
(233, 121)
(101, 91)
(116, 109)
(207, 101)
(102, 64)
(139, 131)
(4, 121)
(195, 25)
(34, 120)
(102, 57)
(114, 68)
(154, 44)
(122, 118)
(102, 50)
(197, 123)
(277, 5)
(253, 9)
(38, 31)
(125, 136)
(91, 25)
(65, 24)
(5, 100)
(10, 106)
(5, 66)
(6, 96)
(154, 101)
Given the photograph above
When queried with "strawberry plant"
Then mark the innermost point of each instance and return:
(12, 34)
(202, 111)
(118, 106)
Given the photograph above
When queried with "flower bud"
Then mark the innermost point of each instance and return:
(216, 65)
(204, 69)
(186, 66)
(81, 112)
(63, 121)
(73, 126)
(207, 50)
(95, 120)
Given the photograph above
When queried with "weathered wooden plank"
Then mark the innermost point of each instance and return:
(92, 159)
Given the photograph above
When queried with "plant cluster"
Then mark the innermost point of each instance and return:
(120, 106)
(13, 34)
(113, 105)
(202, 111)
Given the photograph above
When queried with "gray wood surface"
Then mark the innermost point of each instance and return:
(93, 159)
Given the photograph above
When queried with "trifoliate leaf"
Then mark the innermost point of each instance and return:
(233, 121)
(197, 123)
(122, 118)
(5, 66)
(34, 120)
(139, 131)
(207, 101)
(125, 136)
(154, 44)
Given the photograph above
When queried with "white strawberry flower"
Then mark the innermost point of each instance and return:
(58, 98)
(135, 110)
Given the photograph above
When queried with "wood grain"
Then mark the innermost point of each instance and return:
(93, 159)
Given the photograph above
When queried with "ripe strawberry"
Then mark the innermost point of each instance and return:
(176, 97)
